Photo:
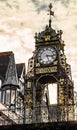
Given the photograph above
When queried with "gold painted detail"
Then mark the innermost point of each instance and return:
(37, 65)
(47, 38)
(29, 84)
(46, 70)
(55, 62)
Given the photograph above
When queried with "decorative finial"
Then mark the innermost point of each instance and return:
(50, 13)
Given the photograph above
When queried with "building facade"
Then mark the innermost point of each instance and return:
(12, 79)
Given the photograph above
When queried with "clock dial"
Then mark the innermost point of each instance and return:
(46, 55)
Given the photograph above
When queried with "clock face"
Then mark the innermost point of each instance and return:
(46, 55)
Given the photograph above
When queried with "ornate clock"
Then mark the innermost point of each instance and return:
(46, 55)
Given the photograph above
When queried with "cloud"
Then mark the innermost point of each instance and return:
(39, 7)
(63, 2)
(3, 0)
(20, 19)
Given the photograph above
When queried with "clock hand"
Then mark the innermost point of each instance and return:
(52, 55)
(48, 57)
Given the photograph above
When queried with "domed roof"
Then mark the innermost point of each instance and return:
(48, 31)
(46, 35)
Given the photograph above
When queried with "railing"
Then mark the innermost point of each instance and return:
(8, 117)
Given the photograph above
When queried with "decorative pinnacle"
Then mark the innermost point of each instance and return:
(50, 13)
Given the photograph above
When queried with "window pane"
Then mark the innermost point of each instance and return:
(0, 95)
(12, 96)
(0, 83)
(3, 99)
(7, 96)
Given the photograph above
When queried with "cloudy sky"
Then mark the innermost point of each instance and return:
(20, 19)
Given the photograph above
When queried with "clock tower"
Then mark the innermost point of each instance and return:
(48, 65)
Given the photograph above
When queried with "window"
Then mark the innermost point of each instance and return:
(12, 96)
(0, 83)
(3, 97)
(7, 97)
(0, 96)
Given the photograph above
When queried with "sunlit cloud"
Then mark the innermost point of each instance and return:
(20, 19)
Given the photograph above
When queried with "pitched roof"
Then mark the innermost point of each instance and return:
(11, 77)
(4, 62)
(20, 68)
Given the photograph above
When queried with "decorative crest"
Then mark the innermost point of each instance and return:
(50, 13)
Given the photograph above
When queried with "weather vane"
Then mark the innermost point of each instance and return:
(50, 13)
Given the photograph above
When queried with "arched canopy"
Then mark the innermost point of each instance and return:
(45, 79)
